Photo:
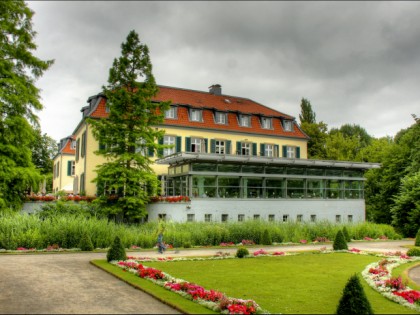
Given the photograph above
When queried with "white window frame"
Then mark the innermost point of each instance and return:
(241, 217)
(246, 148)
(287, 125)
(190, 217)
(271, 217)
(171, 113)
(350, 218)
(257, 217)
(221, 118)
(208, 217)
(266, 123)
(220, 146)
(285, 217)
(313, 217)
(338, 218)
(140, 147)
(291, 152)
(73, 168)
(269, 150)
(196, 114)
(169, 140)
(225, 217)
(245, 120)
(299, 218)
(197, 145)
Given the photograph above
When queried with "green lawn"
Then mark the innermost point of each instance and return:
(301, 284)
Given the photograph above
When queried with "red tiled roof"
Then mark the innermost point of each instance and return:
(209, 102)
(67, 148)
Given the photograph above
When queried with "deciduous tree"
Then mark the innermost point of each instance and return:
(19, 98)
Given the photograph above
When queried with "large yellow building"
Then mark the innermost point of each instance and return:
(234, 158)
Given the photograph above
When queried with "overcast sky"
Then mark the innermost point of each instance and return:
(356, 62)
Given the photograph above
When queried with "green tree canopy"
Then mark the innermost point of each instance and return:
(306, 115)
(19, 98)
(128, 136)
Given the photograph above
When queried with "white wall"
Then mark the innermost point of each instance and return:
(323, 209)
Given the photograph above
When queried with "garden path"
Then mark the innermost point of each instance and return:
(68, 283)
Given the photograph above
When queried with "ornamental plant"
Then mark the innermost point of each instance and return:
(266, 238)
(340, 241)
(414, 251)
(354, 300)
(346, 234)
(86, 243)
(242, 252)
(417, 242)
(116, 251)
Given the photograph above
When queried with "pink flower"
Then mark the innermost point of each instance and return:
(278, 253)
(260, 252)
(303, 241)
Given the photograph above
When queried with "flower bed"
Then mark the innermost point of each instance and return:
(378, 276)
(211, 299)
(170, 199)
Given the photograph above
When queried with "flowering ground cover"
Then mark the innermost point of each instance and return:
(299, 284)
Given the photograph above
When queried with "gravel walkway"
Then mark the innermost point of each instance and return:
(69, 284)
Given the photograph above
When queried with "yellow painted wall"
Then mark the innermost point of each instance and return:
(88, 163)
(63, 179)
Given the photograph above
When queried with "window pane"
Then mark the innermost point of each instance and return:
(229, 187)
(231, 168)
(252, 187)
(315, 188)
(295, 188)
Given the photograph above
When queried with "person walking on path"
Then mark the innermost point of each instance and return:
(160, 230)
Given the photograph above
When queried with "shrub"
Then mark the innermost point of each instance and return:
(266, 238)
(417, 242)
(86, 243)
(346, 234)
(242, 252)
(354, 300)
(339, 241)
(187, 245)
(116, 251)
(415, 251)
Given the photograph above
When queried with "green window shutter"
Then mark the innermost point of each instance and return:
(77, 149)
(285, 151)
(206, 145)
(68, 168)
(160, 151)
(262, 149)
(298, 152)
(276, 150)
(151, 151)
(178, 144)
(187, 144)
(228, 147)
(212, 146)
(238, 148)
(254, 149)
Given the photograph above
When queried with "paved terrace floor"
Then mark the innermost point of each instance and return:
(69, 284)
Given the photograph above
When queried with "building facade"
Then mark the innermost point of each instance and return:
(234, 158)
(64, 168)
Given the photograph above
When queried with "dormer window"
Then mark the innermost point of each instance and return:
(287, 125)
(73, 145)
(221, 118)
(171, 113)
(196, 114)
(245, 120)
(266, 123)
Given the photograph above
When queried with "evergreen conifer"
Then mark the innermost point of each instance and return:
(86, 243)
(340, 241)
(116, 251)
(417, 243)
(346, 234)
(266, 238)
(354, 300)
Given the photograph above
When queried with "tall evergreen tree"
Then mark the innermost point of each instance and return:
(306, 113)
(354, 300)
(19, 97)
(128, 136)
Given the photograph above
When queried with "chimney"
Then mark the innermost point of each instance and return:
(215, 89)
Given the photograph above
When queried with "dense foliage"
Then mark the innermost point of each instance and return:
(417, 241)
(86, 243)
(266, 238)
(392, 191)
(116, 251)
(415, 251)
(19, 98)
(67, 230)
(242, 252)
(354, 300)
(340, 242)
(128, 137)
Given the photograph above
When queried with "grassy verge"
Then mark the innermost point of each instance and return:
(403, 272)
(303, 284)
(172, 299)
